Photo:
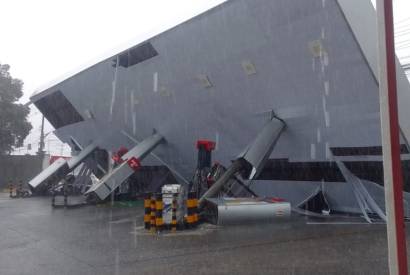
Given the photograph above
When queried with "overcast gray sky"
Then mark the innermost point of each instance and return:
(44, 39)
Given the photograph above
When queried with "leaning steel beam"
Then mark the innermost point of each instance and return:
(252, 160)
(60, 168)
(75, 161)
(56, 170)
(260, 149)
(104, 187)
(144, 147)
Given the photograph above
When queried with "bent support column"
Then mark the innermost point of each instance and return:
(77, 160)
(56, 171)
(132, 161)
(253, 159)
(60, 168)
(364, 199)
(260, 149)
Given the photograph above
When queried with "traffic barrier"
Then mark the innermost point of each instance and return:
(147, 211)
(152, 225)
(196, 216)
(192, 210)
(154, 219)
(174, 213)
(159, 221)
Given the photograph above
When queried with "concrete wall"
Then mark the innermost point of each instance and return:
(17, 168)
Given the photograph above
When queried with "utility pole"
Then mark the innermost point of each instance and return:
(42, 137)
(393, 177)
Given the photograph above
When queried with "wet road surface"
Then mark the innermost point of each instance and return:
(36, 239)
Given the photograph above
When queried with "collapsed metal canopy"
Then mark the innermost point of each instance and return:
(61, 167)
(104, 187)
(225, 211)
(219, 75)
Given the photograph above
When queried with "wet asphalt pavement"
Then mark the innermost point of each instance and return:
(36, 239)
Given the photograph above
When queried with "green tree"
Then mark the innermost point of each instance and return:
(14, 126)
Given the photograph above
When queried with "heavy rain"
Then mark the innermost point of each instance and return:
(205, 137)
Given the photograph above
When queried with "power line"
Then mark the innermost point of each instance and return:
(402, 20)
(402, 33)
(401, 26)
(403, 41)
(404, 46)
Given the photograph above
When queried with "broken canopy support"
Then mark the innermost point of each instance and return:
(316, 203)
(252, 160)
(76, 160)
(225, 211)
(260, 149)
(104, 187)
(60, 168)
(363, 198)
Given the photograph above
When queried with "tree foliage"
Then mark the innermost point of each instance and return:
(14, 126)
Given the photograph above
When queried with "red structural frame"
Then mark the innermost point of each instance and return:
(395, 138)
(134, 163)
(208, 144)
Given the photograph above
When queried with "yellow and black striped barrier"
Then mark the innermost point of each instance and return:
(196, 216)
(153, 210)
(159, 221)
(147, 211)
(174, 213)
(192, 210)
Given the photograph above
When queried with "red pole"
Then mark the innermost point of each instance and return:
(391, 140)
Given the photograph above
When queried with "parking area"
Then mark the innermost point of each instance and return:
(37, 239)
